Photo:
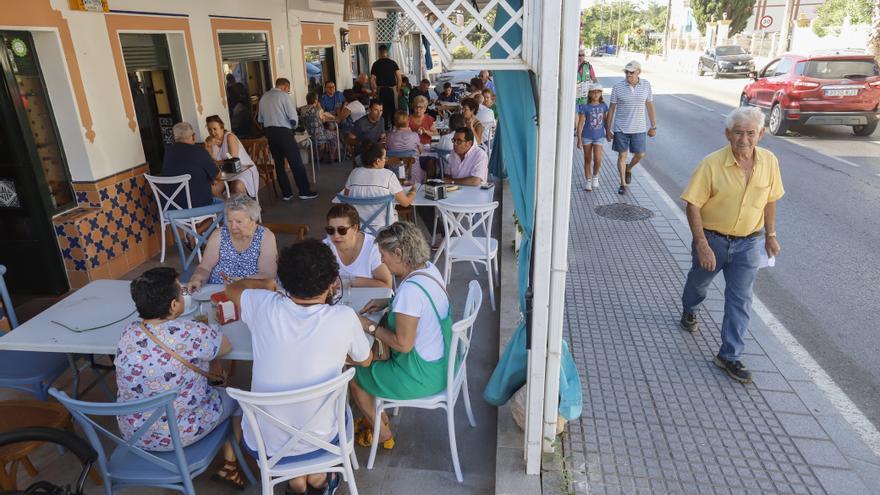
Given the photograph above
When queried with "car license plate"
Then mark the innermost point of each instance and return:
(740, 66)
(841, 92)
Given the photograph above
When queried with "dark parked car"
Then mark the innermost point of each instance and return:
(823, 89)
(728, 60)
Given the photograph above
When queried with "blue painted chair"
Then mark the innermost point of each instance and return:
(443, 158)
(181, 220)
(32, 372)
(401, 153)
(383, 202)
(129, 465)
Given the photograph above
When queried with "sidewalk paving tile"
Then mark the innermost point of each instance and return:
(658, 416)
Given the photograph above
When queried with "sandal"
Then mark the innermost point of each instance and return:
(329, 488)
(230, 474)
(365, 439)
(360, 424)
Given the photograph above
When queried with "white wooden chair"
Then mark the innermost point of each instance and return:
(488, 137)
(468, 229)
(179, 199)
(456, 381)
(262, 409)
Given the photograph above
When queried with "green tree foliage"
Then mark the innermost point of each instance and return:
(599, 23)
(830, 15)
(738, 11)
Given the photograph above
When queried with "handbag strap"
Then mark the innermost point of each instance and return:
(178, 357)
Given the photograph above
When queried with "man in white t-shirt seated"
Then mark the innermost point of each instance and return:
(299, 340)
(484, 113)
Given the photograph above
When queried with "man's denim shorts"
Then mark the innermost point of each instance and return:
(634, 143)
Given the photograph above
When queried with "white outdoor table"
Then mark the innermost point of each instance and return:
(106, 301)
(465, 195)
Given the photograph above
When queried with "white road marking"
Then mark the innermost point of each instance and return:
(691, 102)
(838, 398)
(847, 162)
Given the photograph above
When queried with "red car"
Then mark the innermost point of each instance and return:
(822, 89)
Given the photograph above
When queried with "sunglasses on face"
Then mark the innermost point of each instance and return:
(332, 230)
(581, 55)
(629, 72)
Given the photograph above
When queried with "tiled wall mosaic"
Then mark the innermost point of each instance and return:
(114, 229)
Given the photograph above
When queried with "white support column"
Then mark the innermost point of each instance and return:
(548, 105)
(561, 212)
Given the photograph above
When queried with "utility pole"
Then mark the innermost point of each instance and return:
(785, 32)
(666, 30)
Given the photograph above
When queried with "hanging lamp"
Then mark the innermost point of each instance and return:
(357, 11)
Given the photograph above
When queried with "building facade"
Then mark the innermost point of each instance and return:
(89, 99)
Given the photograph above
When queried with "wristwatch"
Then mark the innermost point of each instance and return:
(770, 234)
(371, 329)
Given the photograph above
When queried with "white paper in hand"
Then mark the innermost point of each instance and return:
(766, 261)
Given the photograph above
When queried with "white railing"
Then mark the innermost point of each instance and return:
(460, 22)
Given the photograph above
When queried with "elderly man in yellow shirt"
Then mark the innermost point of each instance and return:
(731, 208)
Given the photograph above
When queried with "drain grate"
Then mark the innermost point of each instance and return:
(624, 212)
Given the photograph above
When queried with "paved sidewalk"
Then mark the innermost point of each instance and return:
(658, 416)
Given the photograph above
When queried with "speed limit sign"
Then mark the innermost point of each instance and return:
(766, 21)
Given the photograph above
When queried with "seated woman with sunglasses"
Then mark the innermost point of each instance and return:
(418, 331)
(323, 337)
(355, 251)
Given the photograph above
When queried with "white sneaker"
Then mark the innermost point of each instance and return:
(595, 182)
(589, 185)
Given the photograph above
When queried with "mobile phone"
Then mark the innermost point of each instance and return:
(488, 185)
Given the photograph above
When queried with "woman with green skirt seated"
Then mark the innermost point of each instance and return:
(418, 331)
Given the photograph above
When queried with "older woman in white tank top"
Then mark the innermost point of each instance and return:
(223, 144)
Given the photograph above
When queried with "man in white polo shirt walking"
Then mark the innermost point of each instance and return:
(626, 120)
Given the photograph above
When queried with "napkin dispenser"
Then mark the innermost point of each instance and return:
(435, 189)
(227, 311)
(231, 165)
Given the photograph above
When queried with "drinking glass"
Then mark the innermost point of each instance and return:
(346, 288)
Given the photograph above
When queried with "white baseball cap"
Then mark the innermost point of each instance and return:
(633, 66)
(594, 87)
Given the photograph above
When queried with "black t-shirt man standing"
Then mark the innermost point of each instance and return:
(386, 79)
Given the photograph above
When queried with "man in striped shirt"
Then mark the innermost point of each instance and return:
(626, 120)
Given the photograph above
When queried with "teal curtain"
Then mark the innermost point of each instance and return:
(516, 145)
(515, 152)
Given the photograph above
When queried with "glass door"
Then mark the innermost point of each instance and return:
(151, 81)
(360, 61)
(34, 179)
(320, 68)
